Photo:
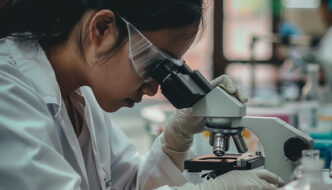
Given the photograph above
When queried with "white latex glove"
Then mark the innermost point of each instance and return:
(181, 126)
(239, 180)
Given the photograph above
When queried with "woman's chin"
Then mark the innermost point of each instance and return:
(111, 108)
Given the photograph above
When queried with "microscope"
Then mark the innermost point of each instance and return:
(226, 119)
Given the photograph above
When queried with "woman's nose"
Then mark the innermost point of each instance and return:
(150, 88)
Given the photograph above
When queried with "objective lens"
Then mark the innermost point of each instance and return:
(240, 144)
(220, 145)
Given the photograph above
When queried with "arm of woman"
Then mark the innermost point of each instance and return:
(129, 170)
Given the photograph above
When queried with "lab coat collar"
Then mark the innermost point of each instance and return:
(32, 60)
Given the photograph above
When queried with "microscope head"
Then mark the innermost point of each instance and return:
(186, 88)
(221, 109)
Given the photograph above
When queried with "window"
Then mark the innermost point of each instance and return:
(244, 19)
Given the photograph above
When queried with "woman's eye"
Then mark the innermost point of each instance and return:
(155, 61)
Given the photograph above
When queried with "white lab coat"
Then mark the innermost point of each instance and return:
(38, 146)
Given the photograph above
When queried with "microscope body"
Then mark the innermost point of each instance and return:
(226, 117)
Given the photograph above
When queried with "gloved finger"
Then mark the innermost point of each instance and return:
(241, 95)
(261, 183)
(267, 186)
(191, 124)
(254, 179)
(228, 84)
(186, 114)
(226, 81)
(230, 87)
(214, 83)
(269, 177)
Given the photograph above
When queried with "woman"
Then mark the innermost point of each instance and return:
(64, 64)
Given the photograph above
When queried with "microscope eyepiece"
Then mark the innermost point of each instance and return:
(180, 85)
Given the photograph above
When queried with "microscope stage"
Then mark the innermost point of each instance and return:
(224, 164)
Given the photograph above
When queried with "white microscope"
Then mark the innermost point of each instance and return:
(226, 118)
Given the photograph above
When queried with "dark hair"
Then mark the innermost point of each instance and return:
(51, 21)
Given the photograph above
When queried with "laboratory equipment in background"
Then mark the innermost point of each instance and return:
(325, 57)
(290, 80)
(306, 154)
(330, 169)
(307, 113)
(297, 70)
(312, 177)
(324, 146)
(155, 117)
(291, 71)
(311, 89)
(322, 134)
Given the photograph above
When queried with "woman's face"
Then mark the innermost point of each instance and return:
(115, 82)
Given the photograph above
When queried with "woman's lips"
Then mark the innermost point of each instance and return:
(138, 100)
(130, 102)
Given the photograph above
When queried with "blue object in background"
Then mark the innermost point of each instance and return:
(324, 146)
(330, 4)
(321, 136)
(323, 143)
(288, 29)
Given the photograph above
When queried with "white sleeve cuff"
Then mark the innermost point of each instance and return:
(158, 170)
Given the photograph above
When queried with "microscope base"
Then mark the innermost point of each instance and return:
(224, 164)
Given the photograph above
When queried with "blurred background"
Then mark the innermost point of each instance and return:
(278, 51)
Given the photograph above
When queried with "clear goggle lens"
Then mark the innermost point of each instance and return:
(143, 54)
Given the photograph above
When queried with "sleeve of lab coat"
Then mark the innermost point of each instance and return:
(130, 171)
(30, 150)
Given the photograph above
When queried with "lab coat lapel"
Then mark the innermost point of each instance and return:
(91, 127)
(70, 135)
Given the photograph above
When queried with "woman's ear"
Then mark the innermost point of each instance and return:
(101, 25)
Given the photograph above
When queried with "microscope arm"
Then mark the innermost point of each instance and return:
(281, 142)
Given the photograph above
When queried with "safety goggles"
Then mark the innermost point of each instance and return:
(143, 54)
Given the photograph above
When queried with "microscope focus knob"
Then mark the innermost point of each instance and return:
(293, 147)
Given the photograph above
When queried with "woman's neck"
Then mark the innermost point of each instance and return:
(68, 67)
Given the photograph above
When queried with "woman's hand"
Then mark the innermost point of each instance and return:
(239, 180)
